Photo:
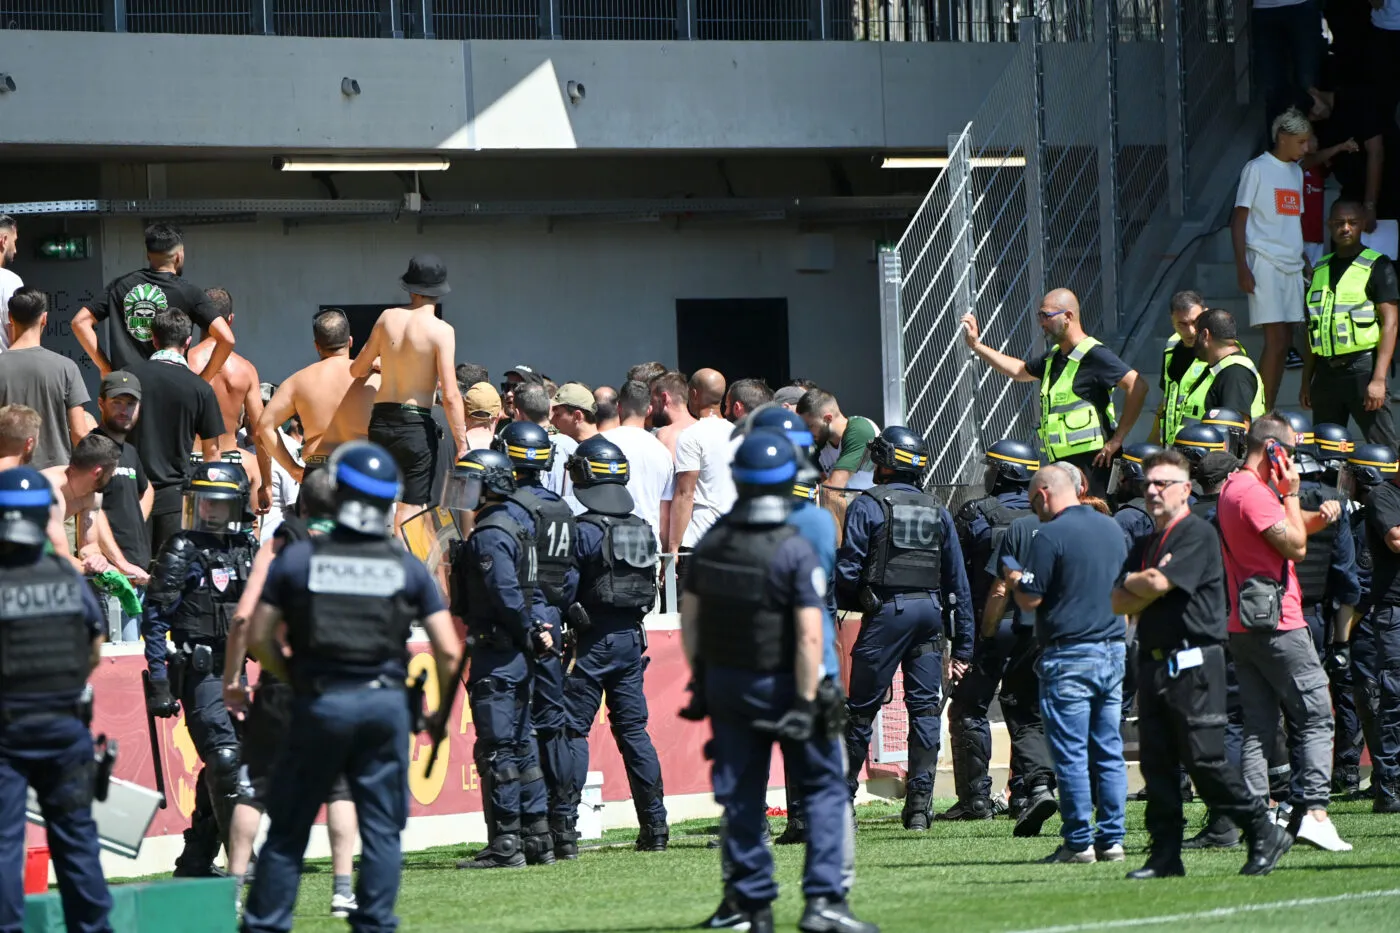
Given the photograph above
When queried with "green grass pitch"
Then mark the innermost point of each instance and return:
(964, 877)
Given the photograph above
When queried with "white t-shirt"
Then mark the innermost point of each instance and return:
(9, 284)
(1388, 16)
(708, 447)
(558, 481)
(652, 472)
(1273, 193)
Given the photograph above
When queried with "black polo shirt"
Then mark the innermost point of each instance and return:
(176, 407)
(1194, 610)
(121, 500)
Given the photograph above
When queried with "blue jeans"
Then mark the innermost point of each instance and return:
(363, 733)
(54, 754)
(1081, 701)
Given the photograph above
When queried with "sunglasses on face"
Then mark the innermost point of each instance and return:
(1163, 484)
(1048, 315)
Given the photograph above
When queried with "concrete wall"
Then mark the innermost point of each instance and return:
(582, 302)
(283, 94)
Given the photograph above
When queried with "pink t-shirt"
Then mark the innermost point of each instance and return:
(1246, 508)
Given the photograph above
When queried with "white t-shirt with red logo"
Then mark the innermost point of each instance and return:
(1273, 192)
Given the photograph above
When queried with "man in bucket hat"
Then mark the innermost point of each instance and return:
(415, 350)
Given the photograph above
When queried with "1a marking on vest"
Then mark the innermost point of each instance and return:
(27, 600)
(355, 576)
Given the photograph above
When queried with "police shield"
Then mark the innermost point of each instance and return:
(1117, 477)
(429, 535)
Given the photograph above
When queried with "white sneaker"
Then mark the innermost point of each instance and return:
(1113, 853)
(1323, 834)
(342, 904)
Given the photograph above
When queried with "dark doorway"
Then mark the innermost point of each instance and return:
(362, 318)
(740, 337)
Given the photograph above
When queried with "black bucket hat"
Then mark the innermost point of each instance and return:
(426, 275)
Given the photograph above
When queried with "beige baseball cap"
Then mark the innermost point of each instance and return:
(482, 402)
(576, 395)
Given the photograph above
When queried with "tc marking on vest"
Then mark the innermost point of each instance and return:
(355, 576)
(39, 599)
(915, 528)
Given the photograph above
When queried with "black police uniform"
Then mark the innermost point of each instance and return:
(349, 600)
(1383, 514)
(616, 555)
(195, 586)
(48, 621)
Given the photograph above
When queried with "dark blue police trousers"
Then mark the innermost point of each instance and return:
(907, 632)
(53, 753)
(362, 732)
(611, 664)
(550, 718)
(741, 759)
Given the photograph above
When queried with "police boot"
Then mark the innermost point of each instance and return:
(1039, 807)
(654, 838)
(796, 830)
(1267, 844)
(828, 915)
(729, 917)
(1346, 779)
(565, 839)
(503, 852)
(974, 808)
(201, 848)
(1387, 798)
(538, 844)
(918, 810)
(1219, 833)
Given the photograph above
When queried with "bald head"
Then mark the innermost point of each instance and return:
(1061, 490)
(706, 389)
(1061, 299)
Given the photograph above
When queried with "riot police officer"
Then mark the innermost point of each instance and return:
(751, 616)
(1125, 493)
(493, 584)
(1232, 426)
(50, 640)
(531, 453)
(899, 562)
(616, 555)
(981, 524)
(195, 585)
(1371, 474)
(348, 600)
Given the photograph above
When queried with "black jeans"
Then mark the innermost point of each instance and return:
(1181, 721)
(1340, 392)
(1031, 765)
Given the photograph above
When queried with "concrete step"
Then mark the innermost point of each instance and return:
(1217, 248)
(1217, 280)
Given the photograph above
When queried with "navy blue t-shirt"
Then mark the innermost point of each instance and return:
(291, 569)
(1074, 561)
(1016, 543)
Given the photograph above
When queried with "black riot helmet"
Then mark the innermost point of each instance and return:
(1333, 444)
(527, 445)
(1369, 465)
(1194, 441)
(367, 482)
(777, 418)
(1010, 464)
(600, 471)
(764, 468)
(1304, 444)
(480, 476)
(1231, 424)
(1125, 480)
(25, 500)
(216, 498)
(901, 452)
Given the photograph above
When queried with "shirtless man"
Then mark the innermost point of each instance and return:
(237, 387)
(334, 406)
(669, 414)
(77, 488)
(415, 351)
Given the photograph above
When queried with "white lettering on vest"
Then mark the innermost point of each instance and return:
(27, 600)
(915, 528)
(634, 546)
(355, 576)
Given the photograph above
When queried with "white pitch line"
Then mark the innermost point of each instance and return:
(1217, 913)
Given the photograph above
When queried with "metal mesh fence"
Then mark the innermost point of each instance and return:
(65, 15)
(486, 19)
(342, 19)
(218, 17)
(617, 19)
(1142, 160)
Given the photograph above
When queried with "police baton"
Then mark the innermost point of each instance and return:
(437, 724)
(155, 739)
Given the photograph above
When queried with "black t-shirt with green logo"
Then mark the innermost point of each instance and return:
(131, 303)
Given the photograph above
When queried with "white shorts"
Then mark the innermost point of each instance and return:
(1278, 295)
(1314, 252)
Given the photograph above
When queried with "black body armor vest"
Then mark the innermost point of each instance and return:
(207, 608)
(554, 542)
(45, 643)
(471, 597)
(908, 554)
(356, 609)
(1316, 564)
(741, 625)
(978, 552)
(627, 576)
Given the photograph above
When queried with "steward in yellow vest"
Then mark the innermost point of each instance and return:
(1179, 363)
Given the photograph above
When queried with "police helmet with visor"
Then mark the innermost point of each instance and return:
(1194, 441)
(805, 484)
(1367, 466)
(527, 445)
(764, 468)
(1333, 443)
(367, 483)
(600, 471)
(1231, 424)
(1010, 464)
(25, 501)
(476, 478)
(216, 498)
(1126, 476)
(901, 452)
(1304, 443)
